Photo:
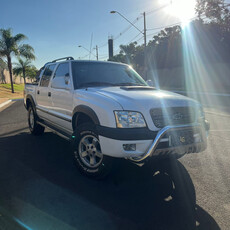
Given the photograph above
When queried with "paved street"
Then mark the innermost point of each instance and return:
(40, 188)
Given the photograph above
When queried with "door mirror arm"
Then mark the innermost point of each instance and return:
(66, 80)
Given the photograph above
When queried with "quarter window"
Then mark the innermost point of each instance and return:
(47, 75)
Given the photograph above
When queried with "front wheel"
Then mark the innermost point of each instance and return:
(34, 127)
(87, 152)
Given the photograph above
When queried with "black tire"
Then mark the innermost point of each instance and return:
(34, 127)
(183, 188)
(87, 147)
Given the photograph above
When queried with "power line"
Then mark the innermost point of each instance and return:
(175, 24)
(157, 9)
(134, 38)
(139, 40)
(134, 22)
(126, 29)
(122, 32)
(178, 23)
(84, 56)
(118, 50)
(103, 45)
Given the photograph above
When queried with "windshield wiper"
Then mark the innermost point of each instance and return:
(96, 83)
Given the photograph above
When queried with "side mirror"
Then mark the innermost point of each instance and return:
(66, 80)
(60, 83)
(150, 83)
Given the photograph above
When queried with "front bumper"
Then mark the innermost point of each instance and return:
(181, 149)
(148, 143)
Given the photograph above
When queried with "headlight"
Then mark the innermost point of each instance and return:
(127, 119)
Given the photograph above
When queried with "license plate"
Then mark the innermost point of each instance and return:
(181, 138)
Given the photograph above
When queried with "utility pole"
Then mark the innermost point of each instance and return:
(145, 53)
(97, 52)
(144, 29)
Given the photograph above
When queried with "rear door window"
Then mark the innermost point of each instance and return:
(47, 75)
(62, 70)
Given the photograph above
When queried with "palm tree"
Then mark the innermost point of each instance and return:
(10, 45)
(22, 67)
(3, 66)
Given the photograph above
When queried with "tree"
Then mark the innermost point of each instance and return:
(3, 66)
(217, 24)
(22, 68)
(216, 11)
(32, 73)
(131, 54)
(10, 45)
(166, 49)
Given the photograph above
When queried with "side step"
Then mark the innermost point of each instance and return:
(55, 130)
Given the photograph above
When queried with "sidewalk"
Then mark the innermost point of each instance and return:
(5, 93)
(4, 103)
(2, 100)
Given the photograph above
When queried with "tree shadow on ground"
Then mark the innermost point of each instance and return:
(159, 195)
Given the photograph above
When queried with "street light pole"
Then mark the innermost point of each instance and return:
(80, 46)
(113, 12)
(144, 33)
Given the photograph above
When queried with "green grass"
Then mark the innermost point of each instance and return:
(17, 87)
(5, 91)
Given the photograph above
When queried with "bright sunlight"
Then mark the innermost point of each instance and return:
(182, 9)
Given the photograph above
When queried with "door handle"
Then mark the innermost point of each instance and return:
(49, 94)
(38, 92)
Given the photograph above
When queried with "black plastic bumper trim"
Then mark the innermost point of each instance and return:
(126, 133)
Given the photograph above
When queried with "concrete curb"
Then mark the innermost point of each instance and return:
(7, 102)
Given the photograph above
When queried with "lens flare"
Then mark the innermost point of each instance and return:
(181, 9)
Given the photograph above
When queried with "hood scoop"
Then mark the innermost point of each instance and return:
(128, 88)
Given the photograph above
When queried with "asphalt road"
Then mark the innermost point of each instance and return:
(40, 188)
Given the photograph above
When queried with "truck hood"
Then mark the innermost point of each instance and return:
(142, 98)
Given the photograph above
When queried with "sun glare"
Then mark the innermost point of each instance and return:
(182, 9)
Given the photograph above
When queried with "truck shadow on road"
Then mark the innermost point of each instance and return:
(40, 172)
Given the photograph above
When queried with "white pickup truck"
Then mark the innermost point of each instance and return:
(108, 110)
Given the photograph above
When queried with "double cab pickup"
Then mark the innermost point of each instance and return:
(107, 110)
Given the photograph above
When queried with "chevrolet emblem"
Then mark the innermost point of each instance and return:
(182, 139)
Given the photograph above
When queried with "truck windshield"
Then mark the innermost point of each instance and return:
(91, 74)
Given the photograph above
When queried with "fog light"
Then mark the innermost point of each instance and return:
(197, 138)
(129, 147)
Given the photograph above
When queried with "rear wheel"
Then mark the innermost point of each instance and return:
(34, 127)
(87, 152)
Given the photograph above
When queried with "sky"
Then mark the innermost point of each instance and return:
(55, 28)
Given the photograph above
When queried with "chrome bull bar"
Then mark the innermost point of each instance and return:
(163, 131)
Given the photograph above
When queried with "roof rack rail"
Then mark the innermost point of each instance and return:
(43, 67)
(66, 58)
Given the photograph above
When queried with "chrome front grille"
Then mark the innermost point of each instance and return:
(172, 116)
